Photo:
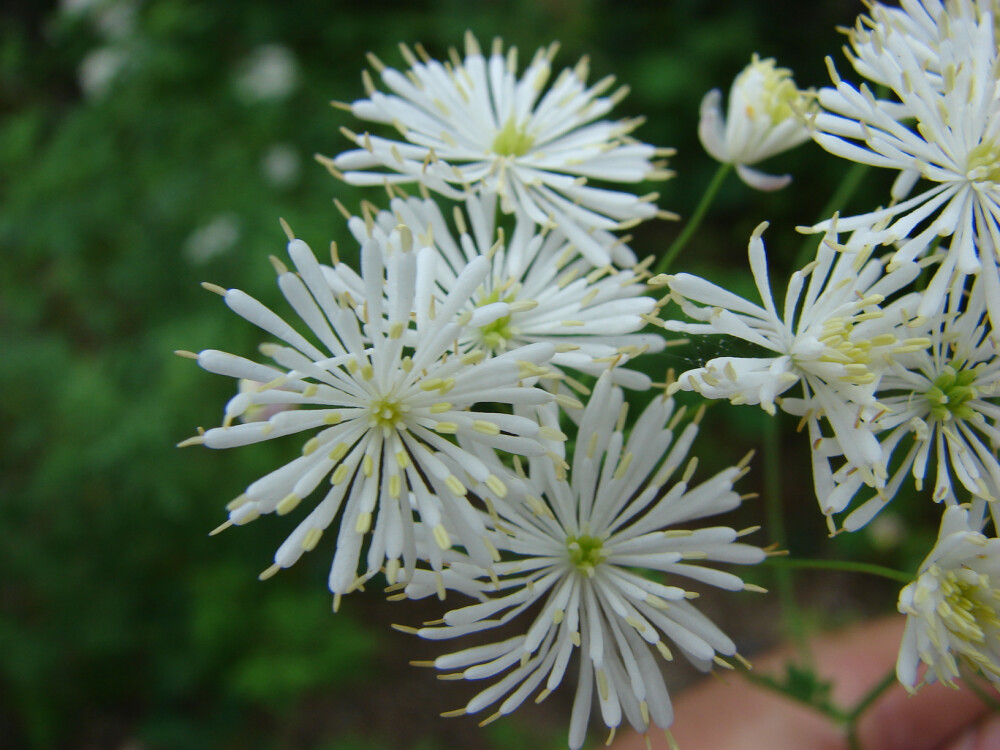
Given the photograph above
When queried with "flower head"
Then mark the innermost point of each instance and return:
(950, 138)
(475, 124)
(765, 117)
(541, 287)
(574, 546)
(833, 336)
(940, 409)
(382, 413)
(953, 607)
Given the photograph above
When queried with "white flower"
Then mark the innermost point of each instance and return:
(765, 117)
(475, 124)
(215, 238)
(941, 402)
(590, 316)
(953, 607)
(835, 339)
(952, 141)
(281, 165)
(99, 69)
(381, 411)
(270, 73)
(575, 548)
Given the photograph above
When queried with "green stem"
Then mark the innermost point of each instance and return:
(695, 221)
(776, 530)
(852, 179)
(850, 566)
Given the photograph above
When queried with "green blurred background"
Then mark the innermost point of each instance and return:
(148, 146)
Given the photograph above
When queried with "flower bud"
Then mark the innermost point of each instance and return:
(765, 117)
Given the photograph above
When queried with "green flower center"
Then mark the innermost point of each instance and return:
(385, 412)
(951, 391)
(984, 162)
(585, 552)
(495, 335)
(512, 140)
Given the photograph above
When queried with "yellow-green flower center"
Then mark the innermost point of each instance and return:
(984, 162)
(776, 93)
(495, 335)
(511, 140)
(951, 391)
(854, 354)
(385, 412)
(970, 603)
(585, 552)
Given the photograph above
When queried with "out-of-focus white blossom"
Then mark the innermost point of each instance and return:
(215, 238)
(269, 73)
(281, 165)
(99, 69)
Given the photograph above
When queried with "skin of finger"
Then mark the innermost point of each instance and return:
(983, 735)
(732, 714)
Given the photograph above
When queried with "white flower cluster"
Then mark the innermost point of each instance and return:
(433, 381)
(884, 344)
(431, 384)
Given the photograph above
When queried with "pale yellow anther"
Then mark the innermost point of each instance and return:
(440, 407)
(237, 502)
(220, 528)
(287, 504)
(338, 452)
(311, 539)
(368, 465)
(496, 485)
(485, 427)
(339, 474)
(391, 574)
(269, 572)
(452, 483)
(623, 466)
(249, 518)
(446, 428)
(364, 523)
(551, 433)
(602, 683)
(441, 537)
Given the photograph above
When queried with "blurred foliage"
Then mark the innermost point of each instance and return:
(139, 156)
